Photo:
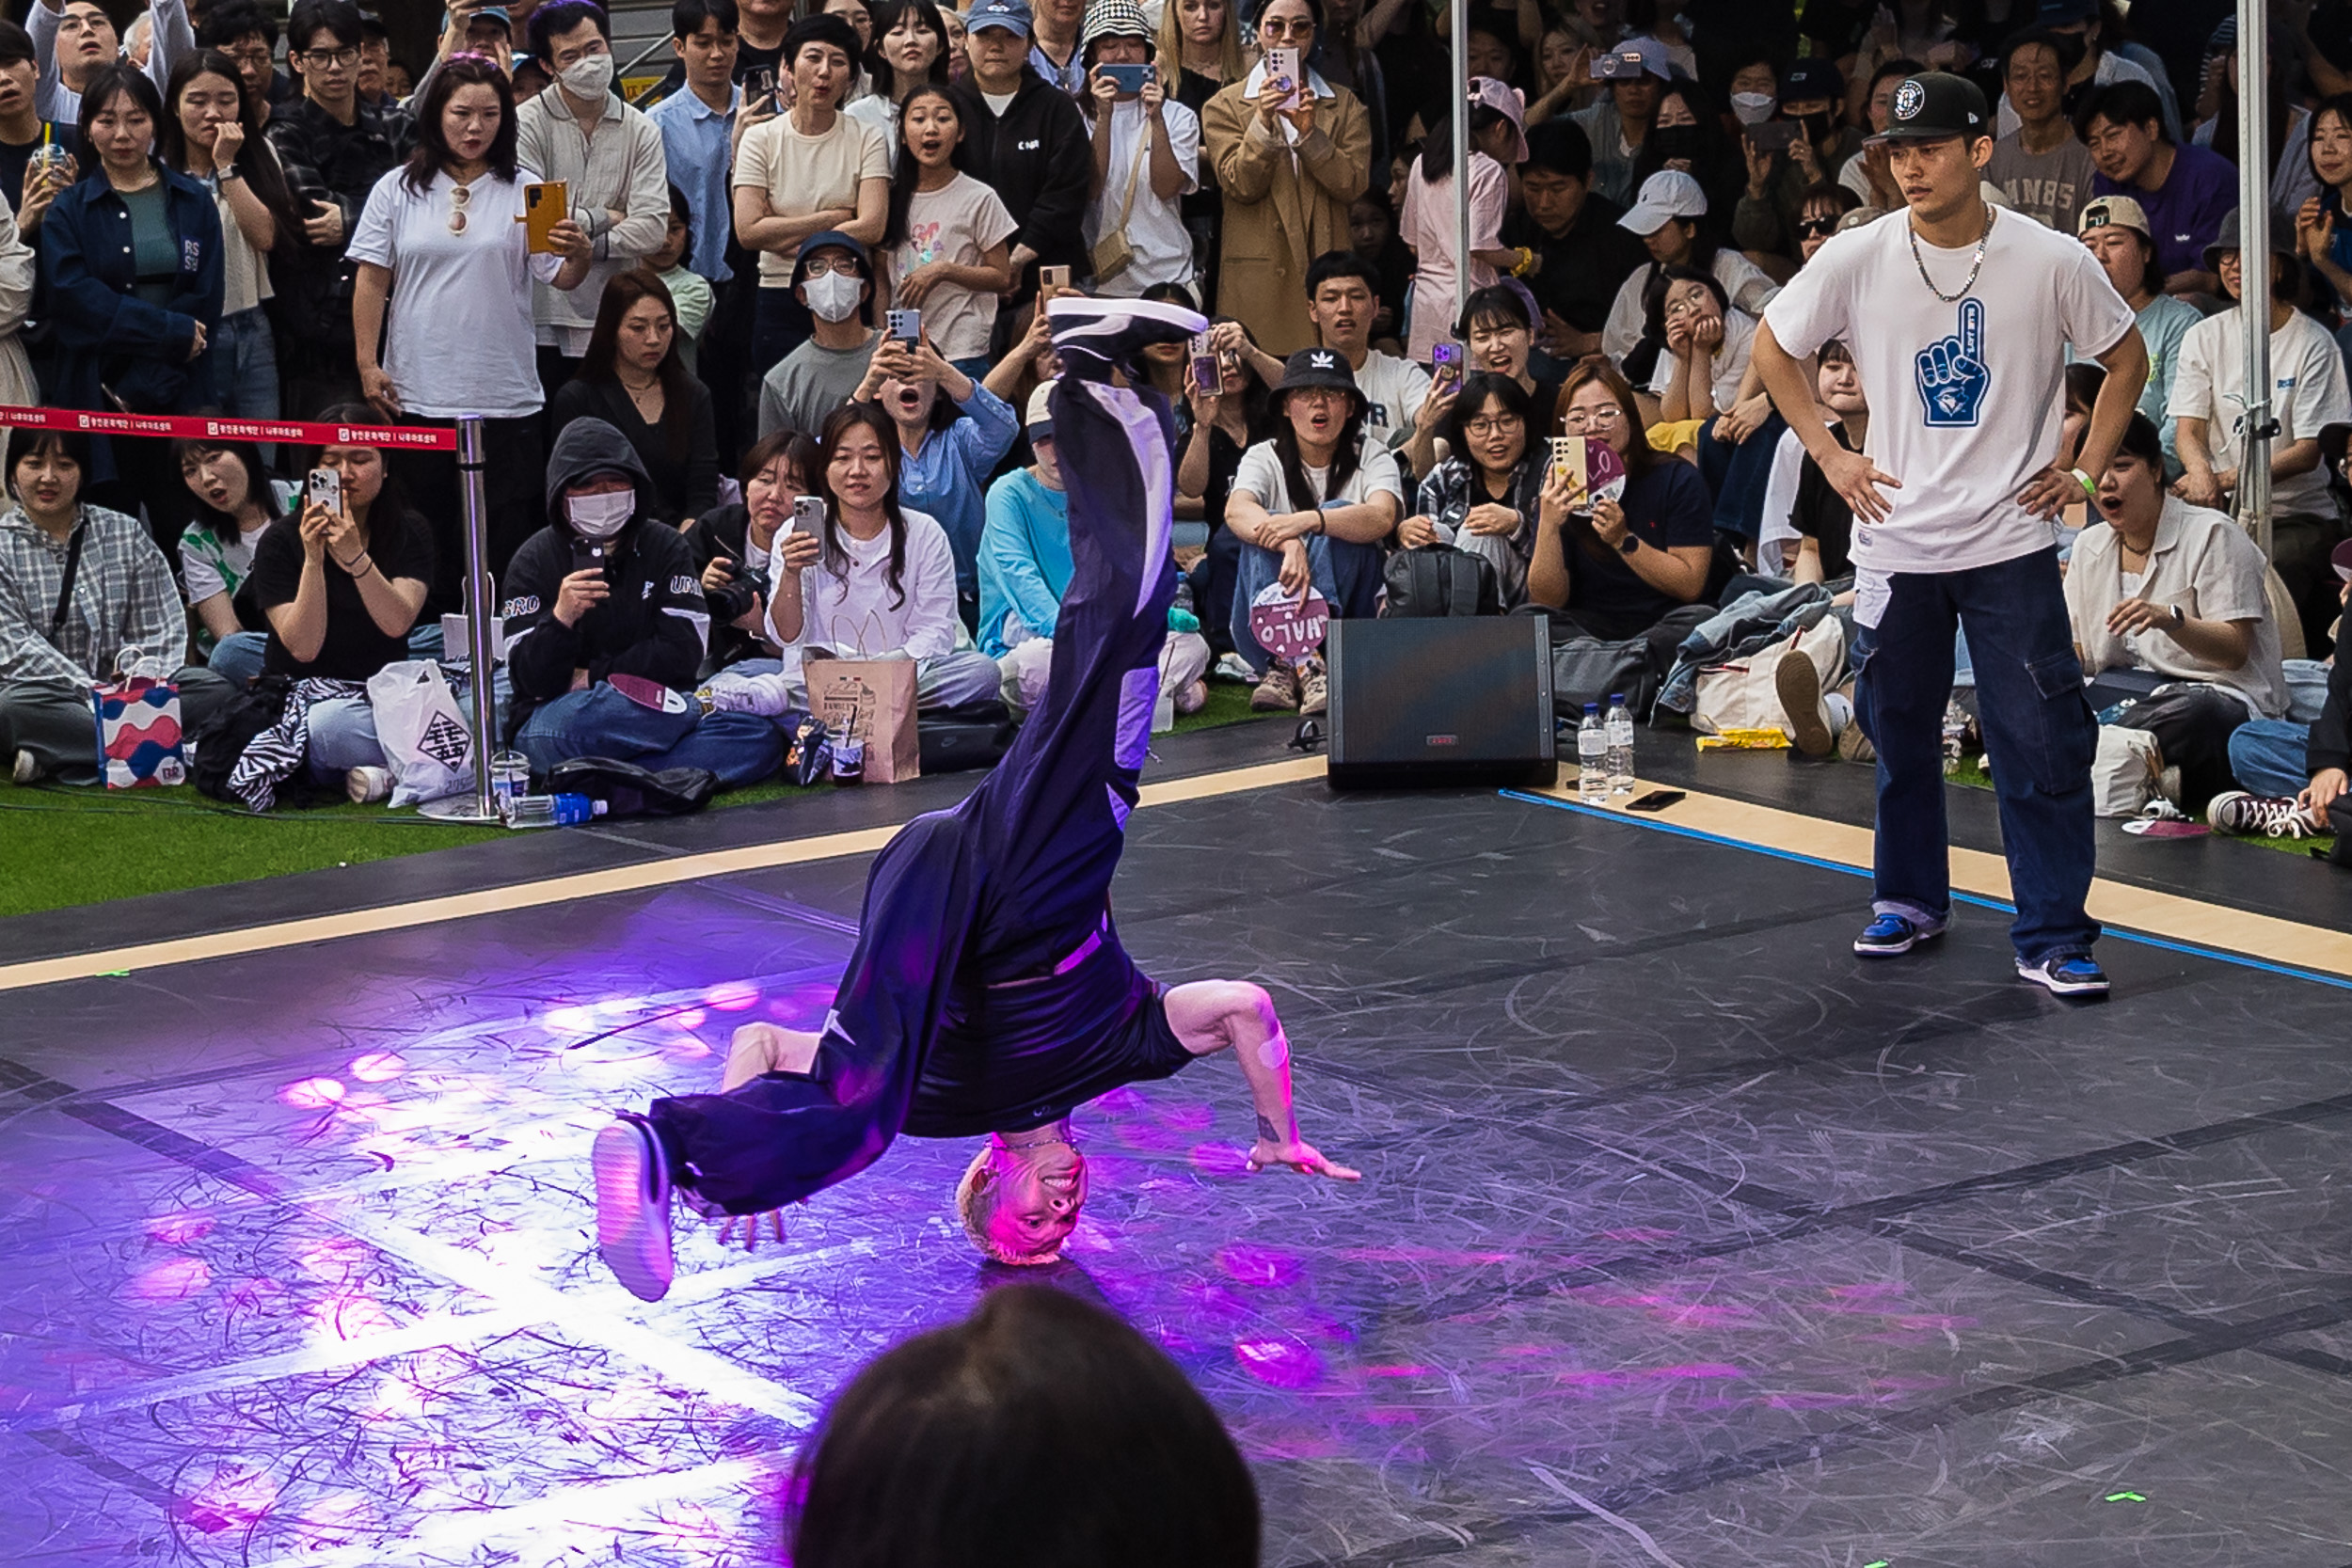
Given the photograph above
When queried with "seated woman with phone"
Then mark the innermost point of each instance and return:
(856, 574)
(605, 623)
(734, 542)
(635, 379)
(1634, 565)
(340, 582)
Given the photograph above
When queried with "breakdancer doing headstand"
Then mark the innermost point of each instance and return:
(988, 993)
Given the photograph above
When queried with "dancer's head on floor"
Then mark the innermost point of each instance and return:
(1020, 1197)
(1040, 1429)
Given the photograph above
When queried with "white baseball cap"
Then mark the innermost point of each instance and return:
(1668, 194)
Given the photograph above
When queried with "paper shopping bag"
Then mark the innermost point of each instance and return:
(139, 733)
(871, 701)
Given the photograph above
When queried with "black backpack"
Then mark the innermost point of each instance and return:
(1439, 580)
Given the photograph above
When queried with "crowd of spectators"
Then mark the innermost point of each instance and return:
(230, 215)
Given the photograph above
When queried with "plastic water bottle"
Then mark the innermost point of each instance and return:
(1620, 729)
(552, 811)
(1591, 757)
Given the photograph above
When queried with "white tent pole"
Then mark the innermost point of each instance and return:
(2253, 202)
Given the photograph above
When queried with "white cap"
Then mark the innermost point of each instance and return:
(1041, 420)
(1668, 194)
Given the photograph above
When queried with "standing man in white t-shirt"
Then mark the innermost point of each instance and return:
(1958, 318)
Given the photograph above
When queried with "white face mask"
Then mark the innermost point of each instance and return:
(1752, 108)
(588, 77)
(601, 516)
(834, 297)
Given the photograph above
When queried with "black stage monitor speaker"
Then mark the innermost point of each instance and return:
(1441, 700)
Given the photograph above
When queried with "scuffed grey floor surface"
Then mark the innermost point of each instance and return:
(1686, 1237)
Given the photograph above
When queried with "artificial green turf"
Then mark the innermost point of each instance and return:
(61, 846)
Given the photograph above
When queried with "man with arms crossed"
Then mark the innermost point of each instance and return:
(1959, 318)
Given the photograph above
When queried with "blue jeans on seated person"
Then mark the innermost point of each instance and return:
(740, 747)
(2266, 755)
(343, 729)
(1735, 474)
(237, 657)
(1347, 574)
(2039, 738)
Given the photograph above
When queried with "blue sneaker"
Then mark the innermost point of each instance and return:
(1890, 935)
(2066, 974)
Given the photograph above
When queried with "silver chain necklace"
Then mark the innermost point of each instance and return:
(1976, 266)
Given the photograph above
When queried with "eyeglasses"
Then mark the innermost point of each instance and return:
(1493, 424)
(1296, 27)
(818, 266)
(1586, 419)
(252, 55)
(1816, 229)
(458, 196)
(323, 59)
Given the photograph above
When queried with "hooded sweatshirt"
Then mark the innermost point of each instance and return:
(1039, 157)
(654, 623)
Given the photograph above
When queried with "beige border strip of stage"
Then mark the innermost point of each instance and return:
(2158, 914)
(2138, 908)
(557, 890)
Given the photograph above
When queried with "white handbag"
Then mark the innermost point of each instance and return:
(1741, 694)
(423, 732)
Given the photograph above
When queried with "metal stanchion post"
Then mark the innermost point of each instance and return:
(480, 632)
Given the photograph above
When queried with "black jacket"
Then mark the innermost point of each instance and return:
(1039, 160)
(685, 484)
(327, 160)
(655, 621)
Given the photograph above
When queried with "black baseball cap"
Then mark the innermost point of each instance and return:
(1319, 367)
(1935, 104)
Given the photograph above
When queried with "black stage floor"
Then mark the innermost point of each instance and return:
(1686, 1237)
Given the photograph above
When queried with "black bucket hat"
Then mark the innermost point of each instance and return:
(1320, 367)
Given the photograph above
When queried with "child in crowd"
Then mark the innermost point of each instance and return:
(946, 248)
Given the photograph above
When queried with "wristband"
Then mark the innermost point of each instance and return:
(2091, 486)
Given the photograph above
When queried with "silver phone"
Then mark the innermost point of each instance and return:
(327, 489)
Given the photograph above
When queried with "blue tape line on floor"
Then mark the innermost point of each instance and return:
(2145, 939)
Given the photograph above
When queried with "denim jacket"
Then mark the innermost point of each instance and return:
(1753, 621)
(109, 338)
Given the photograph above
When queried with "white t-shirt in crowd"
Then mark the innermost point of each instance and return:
(1965, 398)
(857, 616)
(1742, 280)
(957, 223)
(2201, 560)
(458, 336)
(2308, 391)
(1731, 361)
(1773, 556)
(880, 112)
(1260, 476)
(1395, 389)
(807, 174)
(1155, 230)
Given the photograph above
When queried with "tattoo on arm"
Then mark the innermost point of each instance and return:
(1265, 1128)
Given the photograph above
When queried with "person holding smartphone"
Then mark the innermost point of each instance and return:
(443, 281)
(340, 581)
(735, 541)
(1147, 157)
(605, 626)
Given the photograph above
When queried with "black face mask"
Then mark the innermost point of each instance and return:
(1675, 141)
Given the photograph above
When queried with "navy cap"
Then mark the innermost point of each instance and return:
(1010, 15)
(829, 239)
(1935, 104)
(1812, 77)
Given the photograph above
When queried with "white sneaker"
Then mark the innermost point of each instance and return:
(1193, 698)
(633, 1208)
(2238, 811)
(1232, 667)
(25, 769)
(366, 785)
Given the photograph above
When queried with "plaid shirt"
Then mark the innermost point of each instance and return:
(123, 596)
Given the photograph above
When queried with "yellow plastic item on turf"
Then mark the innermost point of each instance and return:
(1745, 740)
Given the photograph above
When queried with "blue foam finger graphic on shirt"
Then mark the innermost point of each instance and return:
(1951, 372)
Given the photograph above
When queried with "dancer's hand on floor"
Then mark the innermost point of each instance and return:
(1302, 1157)
(750, 1228)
